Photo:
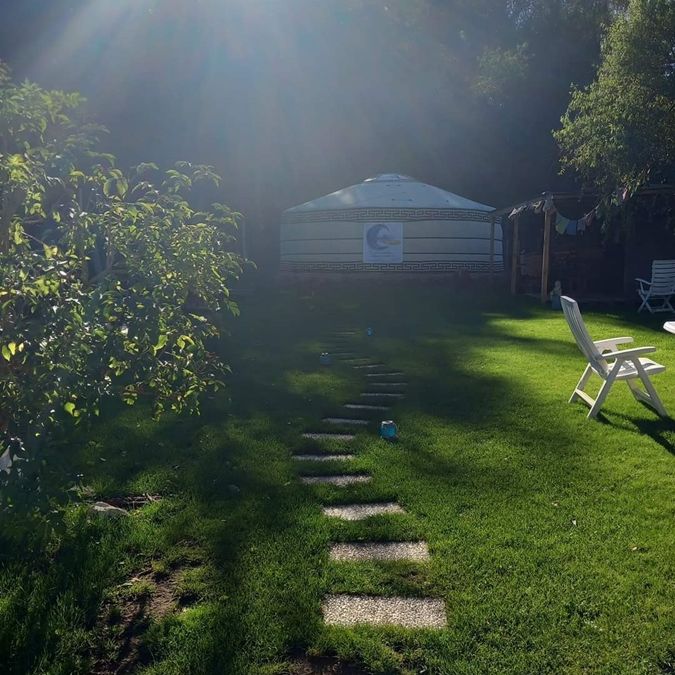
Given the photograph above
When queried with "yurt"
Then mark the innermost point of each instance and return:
(391, 223)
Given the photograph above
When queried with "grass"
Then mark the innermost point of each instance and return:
(551, 537)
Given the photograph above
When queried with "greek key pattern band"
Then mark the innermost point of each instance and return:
(477, 267)
(375, 214)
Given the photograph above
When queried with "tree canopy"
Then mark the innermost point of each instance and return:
(619, 132)
(291, 100)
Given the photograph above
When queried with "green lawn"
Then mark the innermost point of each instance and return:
(552, 538)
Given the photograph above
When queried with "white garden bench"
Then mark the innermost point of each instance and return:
(610, 363)
(660, 288)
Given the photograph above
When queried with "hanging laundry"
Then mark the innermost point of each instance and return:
(561, 223)
(586, 221)
(620, 195)
(516, 211)
(572, 227)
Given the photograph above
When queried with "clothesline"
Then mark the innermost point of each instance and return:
(565, 225)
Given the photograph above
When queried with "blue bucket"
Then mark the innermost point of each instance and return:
(388, 430)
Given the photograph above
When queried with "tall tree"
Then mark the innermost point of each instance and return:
(620, 130)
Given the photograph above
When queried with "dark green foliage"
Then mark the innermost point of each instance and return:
(620, 131)
(108, 281)
(291, 100)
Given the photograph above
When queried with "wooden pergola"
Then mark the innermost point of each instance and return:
(548, 220)
(549, 217)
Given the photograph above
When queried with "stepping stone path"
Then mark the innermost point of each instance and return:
(351, 610)
(345, 421)
(361, 511)
(388, 384)
(323, 458)
(329, 437)
(340, 480)
(389, 550)
(365, 406)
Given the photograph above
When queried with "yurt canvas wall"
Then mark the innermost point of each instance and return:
(390, 223)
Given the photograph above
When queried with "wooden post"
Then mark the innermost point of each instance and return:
(492, 249)
(548, 218)
(515, 245)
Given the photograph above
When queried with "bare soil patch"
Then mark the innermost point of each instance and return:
(126, 614)
(322, 665)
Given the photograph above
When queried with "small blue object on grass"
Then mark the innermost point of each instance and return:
(388, 430)
(370, 332)
(325, 359)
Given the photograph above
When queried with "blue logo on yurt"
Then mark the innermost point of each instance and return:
(383, 242)
(380, 237)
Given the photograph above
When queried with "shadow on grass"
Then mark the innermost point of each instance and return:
(660, 430)
(230, 487)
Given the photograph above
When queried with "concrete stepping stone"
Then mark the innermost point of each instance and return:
(382, 394)
(341, 480)
(396, 373)
(323, 458)
(370, 366)
(351, 610)
(345, 421)
(365, 406)
(361, 511)
(387, 384)
(328, 437)
(387, 550)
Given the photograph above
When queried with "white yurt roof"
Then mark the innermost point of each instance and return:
(390, 190)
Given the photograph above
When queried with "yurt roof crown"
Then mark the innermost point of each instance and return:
(390, 190)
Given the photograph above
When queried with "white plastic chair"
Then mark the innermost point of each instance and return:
(661, 287)
(610, 363)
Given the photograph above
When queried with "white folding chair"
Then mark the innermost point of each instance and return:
(610, 363)
(660, 288)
